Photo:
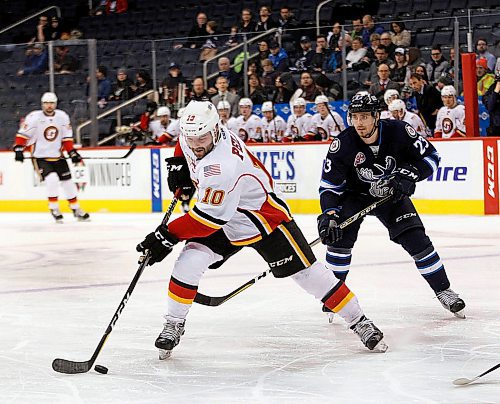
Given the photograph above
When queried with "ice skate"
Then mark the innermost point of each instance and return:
(451, 302)
(169, 337)
(329, 313)
(57, 215)
(370, 335)
(81, 215)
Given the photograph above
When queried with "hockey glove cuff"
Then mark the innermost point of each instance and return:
(19, 153)
(403, 182)
(159, 243)
(75, 156)
(179, 177)
(328, 227)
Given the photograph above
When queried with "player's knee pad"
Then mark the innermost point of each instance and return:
(192, 262)
(414, 241)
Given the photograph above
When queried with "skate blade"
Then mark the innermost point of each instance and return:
(60, 221)
(84, 220)
(331, 317)
(460, 314)
(380, 347)
(164, 354)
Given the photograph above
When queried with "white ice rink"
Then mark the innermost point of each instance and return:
(61, 284)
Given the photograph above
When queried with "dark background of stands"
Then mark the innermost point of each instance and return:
(122, 40)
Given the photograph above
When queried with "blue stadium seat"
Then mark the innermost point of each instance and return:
(424, 38)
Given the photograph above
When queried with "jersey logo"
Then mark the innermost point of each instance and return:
(323, 133)
(447, 125)
(50, 133)
(243, 134)
(411, 131)
(378, 181)
(335, 145)
(360, 159)
(211, 170)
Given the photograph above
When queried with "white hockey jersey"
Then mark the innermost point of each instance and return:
(157, 129)
(231, 124)
(450, 122)
(298, 126)
(249, 130)
(273, 130)
(235, 193)
(326, 128)
(416, 123)
(46, 133)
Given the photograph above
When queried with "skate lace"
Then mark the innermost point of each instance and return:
(447, 297)
(172, 331)
(365, 329)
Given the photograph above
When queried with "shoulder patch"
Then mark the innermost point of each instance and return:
(360, 159)
(335, 145)
(212, 169)
(411, 131)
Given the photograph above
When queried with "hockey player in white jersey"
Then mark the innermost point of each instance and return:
(450, 122)
(389, 96)
(224, 110)
(237, 206)
(326, 123)
(398, 110)
(249, 125)
(159, 127)
(299, 123)
(273, 126)
(47, 132)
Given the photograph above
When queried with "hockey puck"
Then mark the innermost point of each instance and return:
(101, 369)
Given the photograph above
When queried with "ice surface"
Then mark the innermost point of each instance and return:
(61, 284)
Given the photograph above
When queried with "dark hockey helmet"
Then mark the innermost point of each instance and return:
(364, 102)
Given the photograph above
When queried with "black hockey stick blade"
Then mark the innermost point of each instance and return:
(70, 367)
(205, 300)
(129, 152)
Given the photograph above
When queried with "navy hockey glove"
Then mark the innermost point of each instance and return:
(75, 156)
(328, 227)
(403, 182)
(179, 177)
(19, 153)
(159, 243)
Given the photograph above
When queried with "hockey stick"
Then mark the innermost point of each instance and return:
(463, 381)
(205, 300)
(129, 152)
(71, 367)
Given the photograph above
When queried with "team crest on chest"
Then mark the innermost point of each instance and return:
(447, 125)
(359, 159)
(411, 131)
(335, 145)
(50, 133)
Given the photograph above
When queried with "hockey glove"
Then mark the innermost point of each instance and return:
(159, 243)
(75, 156)
(179, 177)
(19, 153)
(403, 182)
(328, 227)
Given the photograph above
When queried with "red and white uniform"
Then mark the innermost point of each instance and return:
(48, 134)
(297, 127)
(326, 127)
(416, 123)
(273, 130)
(249, 130)
(162, 133)
(450, 122)
(235, 193)
(231, 124)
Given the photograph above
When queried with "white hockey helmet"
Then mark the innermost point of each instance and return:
(247, 102)
(180, 112)
(267, 106)
(162, 111)
(448, 90)
(49, 97)
(299, 102)
(389, 94)
(321, 99)
(397, 105)
(223, 105)
(199, 118)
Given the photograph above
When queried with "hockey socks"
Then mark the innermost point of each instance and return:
(342, 301)
(338, 260)
(431, 267)
(181, 296)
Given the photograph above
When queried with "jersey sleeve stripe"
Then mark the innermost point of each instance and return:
(432, 161)
(201, 220)
(209, 218)
(295, 246)
(22, 136)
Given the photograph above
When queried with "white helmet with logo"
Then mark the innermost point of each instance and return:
(199, 118)
(448, 90)
(299, 102)
(49, 97)
(397, 105)
(267, 106)
(321, 99)
(223, 105)
(389, 94)
(162, 111)
(247, 102)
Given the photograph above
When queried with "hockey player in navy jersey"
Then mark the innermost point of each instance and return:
(372, 159)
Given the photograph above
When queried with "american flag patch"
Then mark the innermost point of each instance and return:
(212, 169)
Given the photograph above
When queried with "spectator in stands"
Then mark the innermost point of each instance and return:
(233, 39)
(497, 66)
(399, 68)
(198, 91)
(35, 62)
(428, 100)
(482, 52)
(255, 90)
(288, 23)
(382, 56)
(383, 83)
(265, 20)
(484, 78)
(121, 89)
(369, 27)
(268, 76)
(143, 82)
(305, 57)
(414, 60)
(212, 42)
(401, 37)
(307, 89)
(223, 94)
(451, 64)
(334, 37)
(423, 72)
(329, 88)
(263, 53)
(64, 63)
(437, 66)
(42, 30)
(197, 33)
(246, 23)
(284, 88)
(103, 86)
(386, 40)
(443, 81)
(173, 79)
(226, 71)
(356, 53)
(491, 101)
(357, 29)
(278, 57)
(322, 54)
(55, 29)
(369, 58)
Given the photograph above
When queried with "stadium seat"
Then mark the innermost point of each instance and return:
(443, 37)
(424, 37)
(385, 8)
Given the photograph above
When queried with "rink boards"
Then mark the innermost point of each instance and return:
(465, 183)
